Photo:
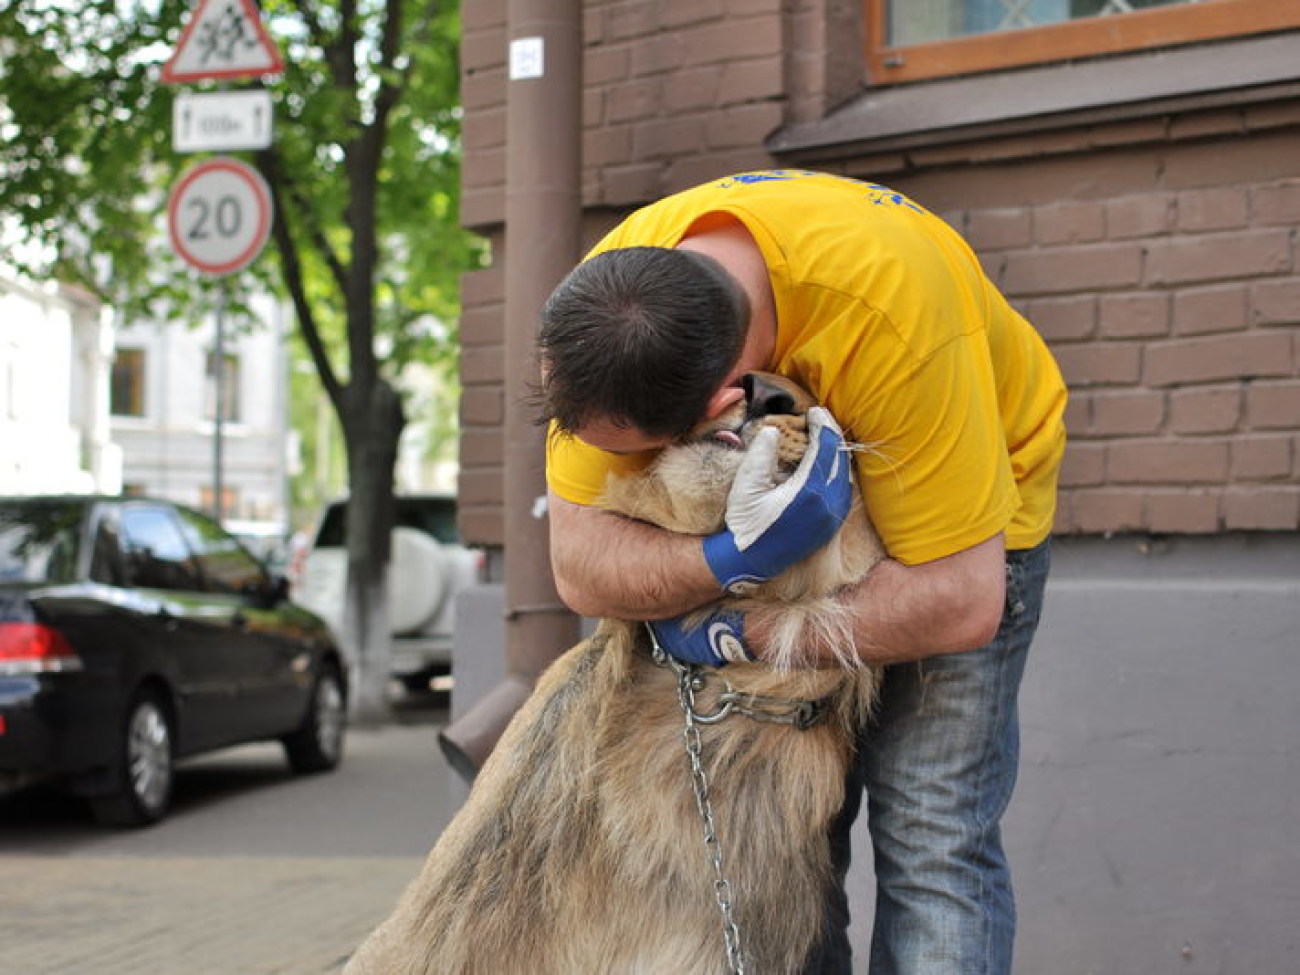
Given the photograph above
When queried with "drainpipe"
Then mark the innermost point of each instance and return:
(542, 240)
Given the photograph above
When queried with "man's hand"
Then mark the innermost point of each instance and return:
(715, 642)
(770, 527)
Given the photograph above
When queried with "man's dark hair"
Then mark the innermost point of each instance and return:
(641, 336)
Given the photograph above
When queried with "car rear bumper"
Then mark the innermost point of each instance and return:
(29, 737)
(54, 726)
(415, 655)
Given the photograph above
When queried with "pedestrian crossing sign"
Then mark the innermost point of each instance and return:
(223, 39)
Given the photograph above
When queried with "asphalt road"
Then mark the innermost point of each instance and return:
(255, 871)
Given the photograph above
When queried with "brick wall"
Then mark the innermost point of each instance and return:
(1166, 279)
(1157, 256)
(676, 92)
(482, 406)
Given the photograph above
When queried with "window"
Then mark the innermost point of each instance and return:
(229, 387)
(126, 396)
(913, 39)
(155, 552)
(227, 567)
(229, 498)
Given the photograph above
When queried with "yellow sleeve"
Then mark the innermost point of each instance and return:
(576, 471)
(935, 472)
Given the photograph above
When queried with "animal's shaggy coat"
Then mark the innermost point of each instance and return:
(580, 849)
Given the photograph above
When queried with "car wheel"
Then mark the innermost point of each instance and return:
(317, 746)
(145, 768)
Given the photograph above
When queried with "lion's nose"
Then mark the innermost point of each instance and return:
(764, 398)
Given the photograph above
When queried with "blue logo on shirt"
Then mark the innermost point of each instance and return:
(876, 194)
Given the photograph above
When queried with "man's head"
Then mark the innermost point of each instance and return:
(641, 339)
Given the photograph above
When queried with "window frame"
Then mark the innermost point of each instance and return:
(1090, 37)
(136, 378)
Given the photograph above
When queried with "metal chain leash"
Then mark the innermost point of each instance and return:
(688, 681)
(800, 714)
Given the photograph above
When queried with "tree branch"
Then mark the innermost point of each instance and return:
(267, 163)
(308, 215)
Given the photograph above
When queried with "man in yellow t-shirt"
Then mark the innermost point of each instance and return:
(883, 313)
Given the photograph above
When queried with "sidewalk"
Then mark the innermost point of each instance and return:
(257, 872)
(189, 916)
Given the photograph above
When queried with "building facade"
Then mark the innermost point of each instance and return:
(1129, 175)
(56, 349)
(164, 407)
(1138, 206)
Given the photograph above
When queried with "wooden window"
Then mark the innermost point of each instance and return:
(126, 393)
(909, 40)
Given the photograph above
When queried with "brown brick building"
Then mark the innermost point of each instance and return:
(1139, 206)
(1132, 183)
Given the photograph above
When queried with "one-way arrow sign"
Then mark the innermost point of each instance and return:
(223, 39)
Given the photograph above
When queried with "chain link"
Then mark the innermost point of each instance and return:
(687, 683)
(799, 714)
(689, 680)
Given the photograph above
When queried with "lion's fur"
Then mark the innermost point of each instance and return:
(580, 849)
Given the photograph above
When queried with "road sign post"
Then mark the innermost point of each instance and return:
(219, 213)
(218, 220)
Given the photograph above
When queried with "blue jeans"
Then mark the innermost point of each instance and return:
(938, 765)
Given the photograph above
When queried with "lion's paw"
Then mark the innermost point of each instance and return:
(793, 440)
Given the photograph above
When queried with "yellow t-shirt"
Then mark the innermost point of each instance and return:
(884, 314)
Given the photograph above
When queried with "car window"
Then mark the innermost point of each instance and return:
(227, 566)
(38, 542)
(433, 516)
(333, 529)
(155, 552)
(107, 564)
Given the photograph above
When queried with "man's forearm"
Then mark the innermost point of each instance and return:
(608, 565)
(903, 613)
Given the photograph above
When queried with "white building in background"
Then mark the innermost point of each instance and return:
(87, 405)
(56, 350)
(164, 397)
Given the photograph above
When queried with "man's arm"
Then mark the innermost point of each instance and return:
(906, 612)
(608, 565)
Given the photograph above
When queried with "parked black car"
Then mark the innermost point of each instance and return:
(137, 632)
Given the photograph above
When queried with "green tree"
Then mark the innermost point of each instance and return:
(364, 174)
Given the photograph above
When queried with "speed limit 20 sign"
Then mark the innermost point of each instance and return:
(219, 215)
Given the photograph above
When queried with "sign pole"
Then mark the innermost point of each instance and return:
(219, 214)
(219, 378)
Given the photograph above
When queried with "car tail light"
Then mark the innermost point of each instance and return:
(34, 648)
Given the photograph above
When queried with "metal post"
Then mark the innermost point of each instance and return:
(543, 238)
(219, 377)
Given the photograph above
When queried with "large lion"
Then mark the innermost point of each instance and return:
(581, 849)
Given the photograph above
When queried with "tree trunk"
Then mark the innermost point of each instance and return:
(374, 425)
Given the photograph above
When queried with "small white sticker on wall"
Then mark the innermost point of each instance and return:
(527, 58)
